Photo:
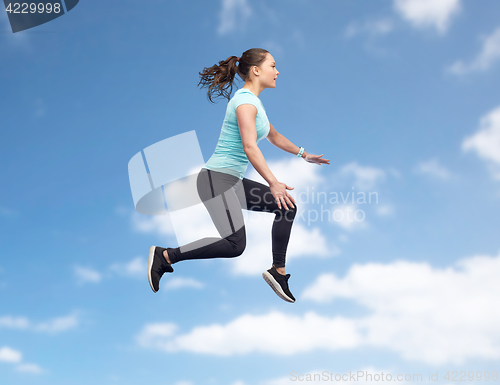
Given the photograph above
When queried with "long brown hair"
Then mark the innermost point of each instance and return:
(219, 78)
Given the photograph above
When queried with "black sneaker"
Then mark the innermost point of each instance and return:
(157, 266)
(279, 283)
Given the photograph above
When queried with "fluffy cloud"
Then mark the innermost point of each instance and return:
(52, 326)
(385, 210)
(136, 268)
(428, 13)
(419, 310)
(234, 13)
(159, 224)
(369, 27)
(57, 325)
(433, 168)
(412, 308)
(486, 141)
(244, 335)
(86, 274)
(10, 355)
(180, 282)
(30, 368)
(15, 357)
(364, 177)
(489, 54)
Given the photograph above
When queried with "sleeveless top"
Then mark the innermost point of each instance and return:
(229, 156)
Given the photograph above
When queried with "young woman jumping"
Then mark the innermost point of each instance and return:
(221, 184)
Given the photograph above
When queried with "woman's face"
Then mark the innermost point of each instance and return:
(268, 72)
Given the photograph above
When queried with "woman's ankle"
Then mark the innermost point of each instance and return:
(165, 254)
(280, 270)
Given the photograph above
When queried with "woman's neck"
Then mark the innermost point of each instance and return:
(253, 88)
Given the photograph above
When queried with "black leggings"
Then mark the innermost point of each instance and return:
(224, 196)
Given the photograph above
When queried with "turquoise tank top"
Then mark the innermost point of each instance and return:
(229, 156)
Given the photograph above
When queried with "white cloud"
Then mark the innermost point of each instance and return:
(10, 355)
(490, 53)
(486, 141)
(180, 282)
(433, 168)
(30, 368)
(57, 325)
(234, 13)
(428, 13)
(274, 49)
(244, 335)
(428, 314)
(365, 177)
(14, 322)
(159, 224)
(385, 210)
(54, 325)
(369, 27)
(149, 333)
(349, 217)
(136, 268)
(86, 274)
(15, 357)
(419, 311)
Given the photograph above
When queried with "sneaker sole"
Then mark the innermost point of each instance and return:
(276, 286)
(150, 266)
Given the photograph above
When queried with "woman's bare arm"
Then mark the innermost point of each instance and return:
(283, 143)
(278, 140)
(246, 114)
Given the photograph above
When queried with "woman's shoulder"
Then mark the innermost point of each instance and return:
(244, 95)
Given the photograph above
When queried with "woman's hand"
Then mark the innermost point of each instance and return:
(316, 159)
(282, 197)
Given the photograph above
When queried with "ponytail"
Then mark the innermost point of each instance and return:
(219, 78)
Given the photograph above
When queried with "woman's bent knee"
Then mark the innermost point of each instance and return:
(285, 214)
(239, 241)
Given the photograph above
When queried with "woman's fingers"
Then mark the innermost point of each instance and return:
(282, 201)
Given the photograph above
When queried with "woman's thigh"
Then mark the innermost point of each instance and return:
(257, 197)
(218, 192)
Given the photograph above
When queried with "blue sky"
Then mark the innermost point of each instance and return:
(402, 97)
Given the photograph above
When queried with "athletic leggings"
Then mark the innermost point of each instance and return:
(225, 196)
